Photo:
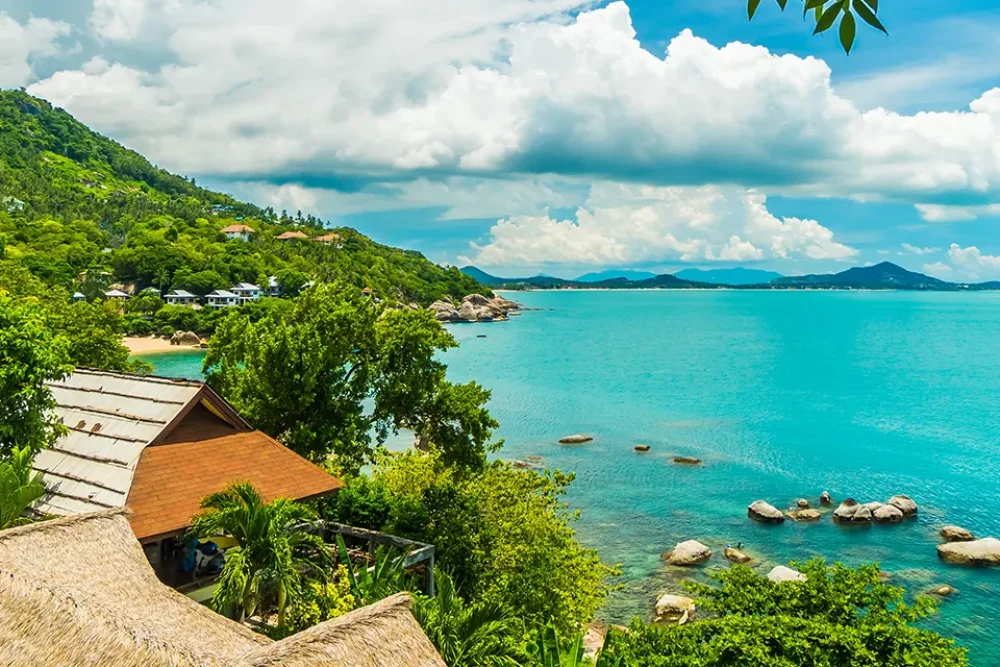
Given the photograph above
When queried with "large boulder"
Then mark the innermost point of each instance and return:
(444, 311)
(764, 512)
(863, 514)
(782, 574)
(476, 300)
(956, 534)
(468, 312)
(185, 338)
(736, 556)
(977, 552)
(674, 609)
(887, 514)
(577, 439)
(845, 512)
(944, 590)
(904, 504)
(688, 553)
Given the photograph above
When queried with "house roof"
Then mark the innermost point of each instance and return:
(245, 287)
(285, 236)
(326, 238)
(182, 294)
(171, 479)
(221, 294)
(115, 293)
(237, 228)
(79, 591)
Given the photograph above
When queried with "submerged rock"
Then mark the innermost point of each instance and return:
(687, 460)
(765, 512)
(802, 504)
(904, 504)
(688, 553)
(977, 552)
(674, 609)
(825, 499)
(956, 534)
(781, 574)
(577, 439)
(736, 556)
(806, 515)
(887, 514)
(943, 590)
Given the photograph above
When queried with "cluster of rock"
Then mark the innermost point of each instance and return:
(185, 338)
(893, 511)
(474, 308)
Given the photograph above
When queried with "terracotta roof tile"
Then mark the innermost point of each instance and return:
(170, 480)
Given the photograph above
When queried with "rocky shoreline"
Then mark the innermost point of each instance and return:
(475, 308)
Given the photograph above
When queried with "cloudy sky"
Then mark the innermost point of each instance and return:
(560, 136)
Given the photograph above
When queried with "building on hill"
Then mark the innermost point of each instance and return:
(79, 296)
(78, 591)
(246, 292)
(241, 232)
(291, 236)
(273, 288)
(115, 294)
(328, 239)
(181, 297)
(221, 298)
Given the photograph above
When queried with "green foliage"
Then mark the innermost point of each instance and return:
(20, 486)
(469, 635)
(838, 617)
(30, 355)
(546, 649)
(319, 602)
(503, 534)
(382, 579)
(273, 560)
(826, 12)
(305, 372)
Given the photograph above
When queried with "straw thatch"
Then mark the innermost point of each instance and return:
(79, 591)
(384, 634)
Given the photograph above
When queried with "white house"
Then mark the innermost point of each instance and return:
(115, 294)
(246, 291)
(221, 298)
(241, 232)
(273, 288)
(181, 297)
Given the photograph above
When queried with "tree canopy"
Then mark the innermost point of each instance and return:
(826, 12)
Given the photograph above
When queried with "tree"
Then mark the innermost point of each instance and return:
(30, 356)
(469, 635)
(304, 374)
(20, 486)
(837, 617)
(826, 12)
(273, 559)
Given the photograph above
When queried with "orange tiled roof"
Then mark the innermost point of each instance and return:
(237, 228)
(327, 238)
(291, 235)
(170, 480)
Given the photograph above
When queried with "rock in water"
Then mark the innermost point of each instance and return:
(687, 460)
(642, 448)
(782, 574)
(943, 590)
(575, 439)
(444, 311)
(807, 515)
(863, 514)
(845, 512)
(904, 504)
(737, 556)
(765, 512)
(887, 514)
(802, 504)
(825, 499)
(688, 553)
(185, 338)
(873, 506)
(674, 609)
(977, 552)
(956, 534)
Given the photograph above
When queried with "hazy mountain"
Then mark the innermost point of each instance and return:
(734, 276)
(881, 276)
(611, 274)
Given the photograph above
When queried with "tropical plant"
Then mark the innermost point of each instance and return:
(545, 650)
(20, 486)
(319, 602)
(377, 582)
(469, 635)
(273, 559)
(826, 12)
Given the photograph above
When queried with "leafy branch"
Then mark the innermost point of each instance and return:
(826, 13)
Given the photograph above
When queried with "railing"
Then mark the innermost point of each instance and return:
(417, 553)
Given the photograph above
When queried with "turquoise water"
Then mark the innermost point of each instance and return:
(783, 395)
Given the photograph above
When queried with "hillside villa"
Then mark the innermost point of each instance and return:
(291, 236)
(241, 232)
(221, 298)
(246, 291)
(180, 297)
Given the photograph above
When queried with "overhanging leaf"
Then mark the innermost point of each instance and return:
(848, 29)
(752, 6)
(873, 4)
(827, 19)
(867, 15)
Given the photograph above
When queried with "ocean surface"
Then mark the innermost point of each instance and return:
(783, 395)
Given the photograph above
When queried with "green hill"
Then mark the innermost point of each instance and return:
(72, 200)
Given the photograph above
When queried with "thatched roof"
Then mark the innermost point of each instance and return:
(79, 591)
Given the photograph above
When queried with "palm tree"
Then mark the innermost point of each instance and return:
(272, 557)
(162, 278)
(19, 488)
(468, 635)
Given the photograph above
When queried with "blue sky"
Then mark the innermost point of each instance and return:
(561, 136)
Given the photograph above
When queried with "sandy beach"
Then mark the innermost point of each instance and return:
(146, 345)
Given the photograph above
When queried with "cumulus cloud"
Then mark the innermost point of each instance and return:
(623, 224)
(973, 263)
(118, 20)
(947, 213)
(316, 92)
(915, 250)
(938, 270)
(21, 43)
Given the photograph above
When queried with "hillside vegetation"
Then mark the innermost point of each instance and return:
(72, 200)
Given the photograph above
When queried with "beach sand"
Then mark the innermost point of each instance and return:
(147, 345)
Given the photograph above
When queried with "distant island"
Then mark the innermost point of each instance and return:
(883, 276)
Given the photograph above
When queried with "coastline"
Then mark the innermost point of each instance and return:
(148, 345)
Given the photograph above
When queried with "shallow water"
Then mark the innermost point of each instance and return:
(783, 395)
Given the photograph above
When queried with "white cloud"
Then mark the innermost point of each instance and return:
(118, 20)
(915, 250)
(938, 270)
(20, 44)
(629, 224)
(315, 91)
(973, 263)
(945, 213)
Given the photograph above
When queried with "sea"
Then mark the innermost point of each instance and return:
(782, 395)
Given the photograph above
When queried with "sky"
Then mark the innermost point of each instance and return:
(557, 136)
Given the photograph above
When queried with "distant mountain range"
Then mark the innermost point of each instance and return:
(884, 276)
(611, 274)
(735, 276)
